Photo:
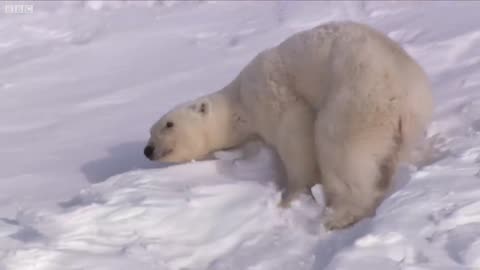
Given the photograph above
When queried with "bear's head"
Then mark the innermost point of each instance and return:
(182, 134)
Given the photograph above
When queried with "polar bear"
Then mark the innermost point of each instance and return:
(342, 105)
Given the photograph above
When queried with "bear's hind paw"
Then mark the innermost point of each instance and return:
(337, 220)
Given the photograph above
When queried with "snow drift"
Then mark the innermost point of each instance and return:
(80, 84)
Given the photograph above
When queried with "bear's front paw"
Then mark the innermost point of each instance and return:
(288, 197)
(291, 194)
(285, 202)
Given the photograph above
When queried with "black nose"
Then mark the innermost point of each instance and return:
(148, 151)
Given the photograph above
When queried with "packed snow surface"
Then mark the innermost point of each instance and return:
(81, 83)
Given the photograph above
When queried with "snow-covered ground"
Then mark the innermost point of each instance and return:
(81, 83)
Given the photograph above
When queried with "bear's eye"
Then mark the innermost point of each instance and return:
(169, 124)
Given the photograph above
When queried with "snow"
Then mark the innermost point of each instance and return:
(81, 83)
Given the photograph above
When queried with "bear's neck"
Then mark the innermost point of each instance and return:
(229, 126)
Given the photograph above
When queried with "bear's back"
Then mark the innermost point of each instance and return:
(314, 57)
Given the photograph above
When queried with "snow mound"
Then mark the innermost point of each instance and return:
(225, 216)
(172, 219)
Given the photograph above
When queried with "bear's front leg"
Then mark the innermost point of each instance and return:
(295, 146)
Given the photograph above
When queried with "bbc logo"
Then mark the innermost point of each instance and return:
(18, 9)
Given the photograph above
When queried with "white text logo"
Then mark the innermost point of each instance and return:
(18, 9)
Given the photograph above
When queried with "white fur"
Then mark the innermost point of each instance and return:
(341, 104)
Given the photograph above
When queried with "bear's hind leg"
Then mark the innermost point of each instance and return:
(355, 189)
(356, 174)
